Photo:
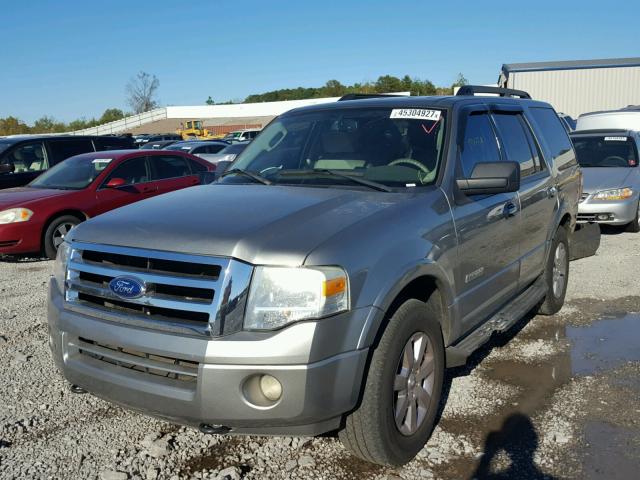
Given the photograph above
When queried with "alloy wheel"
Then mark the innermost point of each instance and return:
(413, 384)
(559, 270)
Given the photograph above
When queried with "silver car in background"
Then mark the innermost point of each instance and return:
(609, 161)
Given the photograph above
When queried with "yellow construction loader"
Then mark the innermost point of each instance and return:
(193, 130)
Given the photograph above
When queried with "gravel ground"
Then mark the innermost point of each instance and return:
(517, 410)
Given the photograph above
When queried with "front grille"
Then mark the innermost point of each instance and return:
(586, 217)
(189, 293)
(158, 365)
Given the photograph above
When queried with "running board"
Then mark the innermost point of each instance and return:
(502, 321)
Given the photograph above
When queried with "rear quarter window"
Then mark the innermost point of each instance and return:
(552, 134)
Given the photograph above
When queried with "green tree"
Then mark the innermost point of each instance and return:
(48, 125)
(13, 126)
(111, 115)
(388, 83)
(210, 101)
(460, 81)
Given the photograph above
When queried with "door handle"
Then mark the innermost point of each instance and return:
(552, 191)
(510, 209)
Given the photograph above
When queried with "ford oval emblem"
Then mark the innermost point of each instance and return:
(127, 287)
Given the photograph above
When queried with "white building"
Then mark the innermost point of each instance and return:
(580, 86)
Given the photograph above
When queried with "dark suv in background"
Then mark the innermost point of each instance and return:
(23, 158)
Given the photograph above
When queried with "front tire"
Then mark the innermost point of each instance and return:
(556, 274)
(402, 391)
(56, 232)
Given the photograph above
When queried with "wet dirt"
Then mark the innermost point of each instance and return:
(590, 346)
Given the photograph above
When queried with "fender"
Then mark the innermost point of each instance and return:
(393, 288)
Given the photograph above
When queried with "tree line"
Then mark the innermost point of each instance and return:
(142, 90)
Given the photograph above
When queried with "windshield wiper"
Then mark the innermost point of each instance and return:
(361, 181)
(247, 173)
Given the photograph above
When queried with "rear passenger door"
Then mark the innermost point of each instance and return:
(537, 193)
(171, 172)
(486, 226)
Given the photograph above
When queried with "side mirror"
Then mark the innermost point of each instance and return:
(7, 168)
(491, 178)
(116, 183)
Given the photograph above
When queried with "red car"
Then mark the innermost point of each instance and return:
(36, 218)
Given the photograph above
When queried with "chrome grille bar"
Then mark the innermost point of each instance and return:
(213, 307)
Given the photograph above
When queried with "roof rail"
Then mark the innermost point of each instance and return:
(503, 92)
(362, 96)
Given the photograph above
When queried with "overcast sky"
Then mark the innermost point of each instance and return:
(71, 59)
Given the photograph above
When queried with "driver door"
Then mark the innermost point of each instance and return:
(138, 185)
(487, 228)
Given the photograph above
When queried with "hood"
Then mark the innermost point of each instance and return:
(259, 224)
(603, 178)
(23, 196)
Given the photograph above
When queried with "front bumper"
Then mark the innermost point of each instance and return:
(618, 212)
(22, 237)
(316, 392)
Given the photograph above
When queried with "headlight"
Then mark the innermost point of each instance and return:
(614, 194)
(279, 296)
(15, 215)
(60, 265)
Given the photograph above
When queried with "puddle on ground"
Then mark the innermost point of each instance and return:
(605, 344)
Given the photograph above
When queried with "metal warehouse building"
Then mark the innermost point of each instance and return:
(580, 86)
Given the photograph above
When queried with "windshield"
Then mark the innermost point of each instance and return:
(396, 147)
(605, 151)
(74, 173)
(4, 146)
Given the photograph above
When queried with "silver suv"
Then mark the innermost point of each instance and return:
(348, 256)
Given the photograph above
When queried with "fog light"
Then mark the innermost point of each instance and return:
(271, 388)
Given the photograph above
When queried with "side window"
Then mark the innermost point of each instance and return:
(28, 157)
(479, 143)
(197, 150)
(169, 166)
(197, 167)
(215, 148)
(514, 142)
(131, 171)
(555, 137)
(63, 149)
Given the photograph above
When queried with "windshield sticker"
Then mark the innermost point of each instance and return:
(416, 114)
(102, 160)
(615, 139)
(186, 148)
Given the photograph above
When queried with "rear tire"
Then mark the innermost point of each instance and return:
(401, 397)
(556, 273)
(56, 232)
(634, 226)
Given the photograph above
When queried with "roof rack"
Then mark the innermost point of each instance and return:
(362, 96)
(503, 92)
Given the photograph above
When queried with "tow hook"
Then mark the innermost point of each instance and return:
(213, 429)
(77, 389)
